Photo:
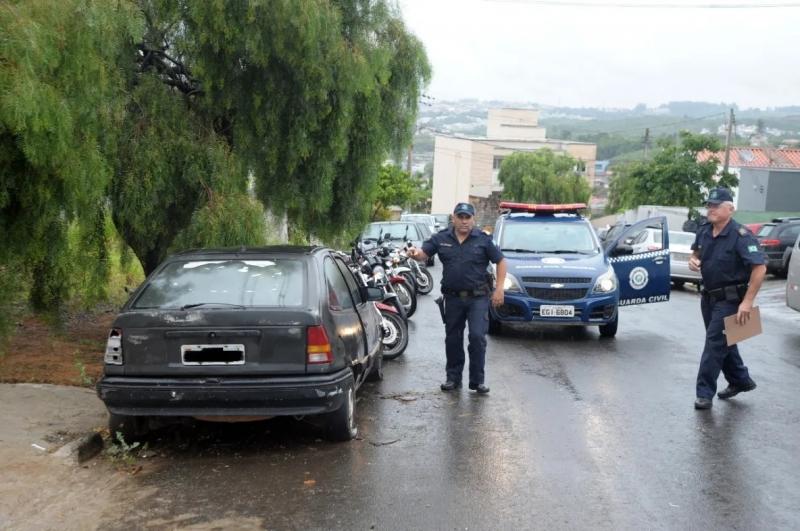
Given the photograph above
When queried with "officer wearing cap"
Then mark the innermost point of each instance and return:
(727, 256)
(465, 253)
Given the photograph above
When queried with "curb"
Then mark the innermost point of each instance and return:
(81, 449)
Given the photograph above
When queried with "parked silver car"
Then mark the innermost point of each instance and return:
(680, 249)
(793, 278)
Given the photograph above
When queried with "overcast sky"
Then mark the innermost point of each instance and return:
(528, 51)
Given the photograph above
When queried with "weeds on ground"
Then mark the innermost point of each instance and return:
(124, 453)
(83, 378)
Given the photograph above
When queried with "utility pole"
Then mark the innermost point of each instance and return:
(731, 121)
(408, 163)
(646, 141)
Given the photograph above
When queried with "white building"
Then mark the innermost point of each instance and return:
(466, 169)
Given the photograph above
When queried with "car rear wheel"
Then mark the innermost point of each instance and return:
(129, 427)
(610, 329)
(341, 424)
(678, 283)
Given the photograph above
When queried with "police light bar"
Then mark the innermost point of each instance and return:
(569, 208)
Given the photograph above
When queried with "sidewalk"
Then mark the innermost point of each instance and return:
(37, 489)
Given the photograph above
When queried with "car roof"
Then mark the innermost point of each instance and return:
(239, 251)
(526, 217)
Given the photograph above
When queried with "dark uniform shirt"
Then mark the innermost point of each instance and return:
(729, 258)
(463, 264)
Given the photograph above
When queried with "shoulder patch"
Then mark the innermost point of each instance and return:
(743, 231)
(752, 248)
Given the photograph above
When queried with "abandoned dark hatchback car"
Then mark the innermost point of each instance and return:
(244, 334)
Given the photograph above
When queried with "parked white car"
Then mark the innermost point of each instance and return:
(680, 249)
(793, 278)
(647, 240)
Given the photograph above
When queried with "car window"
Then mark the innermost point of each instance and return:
(398, 230)
(548, 237)
(791, 233)
(349, 279)
(251, 282)
(765, 230)
(425, 232)
(338, 293)
(681, 238)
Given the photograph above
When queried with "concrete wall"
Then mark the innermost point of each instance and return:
(520, 124)
(452, 172)
(783, 193)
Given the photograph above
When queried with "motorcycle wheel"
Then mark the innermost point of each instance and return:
(395, 335)
(424, 281)
(409, 276)
(407, 298)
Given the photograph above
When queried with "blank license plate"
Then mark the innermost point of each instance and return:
(556, 311)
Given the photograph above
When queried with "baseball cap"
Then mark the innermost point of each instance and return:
(464, 208)
(719, 195)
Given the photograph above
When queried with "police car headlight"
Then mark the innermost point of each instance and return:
(606, 283)
(511, 284)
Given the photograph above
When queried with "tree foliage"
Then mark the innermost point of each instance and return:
(674, 177)
(61, 104)
(543, 176)
(396, 187)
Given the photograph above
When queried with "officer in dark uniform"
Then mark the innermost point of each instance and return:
(727, 256)
(465, 253)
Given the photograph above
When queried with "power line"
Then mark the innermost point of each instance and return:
(657, 5)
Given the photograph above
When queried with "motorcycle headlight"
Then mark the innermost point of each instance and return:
(606, 283)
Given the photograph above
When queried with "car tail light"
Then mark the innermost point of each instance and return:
(770, 243)
(318, 348)
(113, 354)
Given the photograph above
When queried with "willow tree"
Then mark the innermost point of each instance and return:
(62, 97)
(308, 97)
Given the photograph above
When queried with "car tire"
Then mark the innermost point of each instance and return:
(495, 326)
(131, 428)
(610, 329)
(678, 283)
(340, 425)
(375, 373)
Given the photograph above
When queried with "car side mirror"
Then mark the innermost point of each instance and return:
(371, 294)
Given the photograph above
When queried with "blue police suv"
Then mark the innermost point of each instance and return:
(559, 273)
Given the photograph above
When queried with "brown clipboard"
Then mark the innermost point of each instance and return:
(734, 332)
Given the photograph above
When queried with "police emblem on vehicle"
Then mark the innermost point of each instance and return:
(638, 277)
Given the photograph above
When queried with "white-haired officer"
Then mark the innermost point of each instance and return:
(732, 266)
(465, 253)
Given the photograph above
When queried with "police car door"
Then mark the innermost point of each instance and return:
(640, 257)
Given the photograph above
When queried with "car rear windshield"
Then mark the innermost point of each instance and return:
(765, 230)
(226, 283)
(548, 237)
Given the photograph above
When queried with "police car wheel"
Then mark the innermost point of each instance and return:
(678, 283)
(610, 329)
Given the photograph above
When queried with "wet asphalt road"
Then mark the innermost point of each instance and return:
(577, 433)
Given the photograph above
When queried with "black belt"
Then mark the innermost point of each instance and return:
(734, 292)
(466, 292)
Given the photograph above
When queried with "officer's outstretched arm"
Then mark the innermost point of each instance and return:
(417, 254)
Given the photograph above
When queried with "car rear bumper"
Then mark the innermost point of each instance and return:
(588, 311)
(152, 396)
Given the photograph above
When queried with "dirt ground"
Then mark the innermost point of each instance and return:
(39, 353)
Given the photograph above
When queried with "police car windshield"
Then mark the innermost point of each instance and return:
(548, 237)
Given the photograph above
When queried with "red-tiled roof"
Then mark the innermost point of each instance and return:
(757, 157)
